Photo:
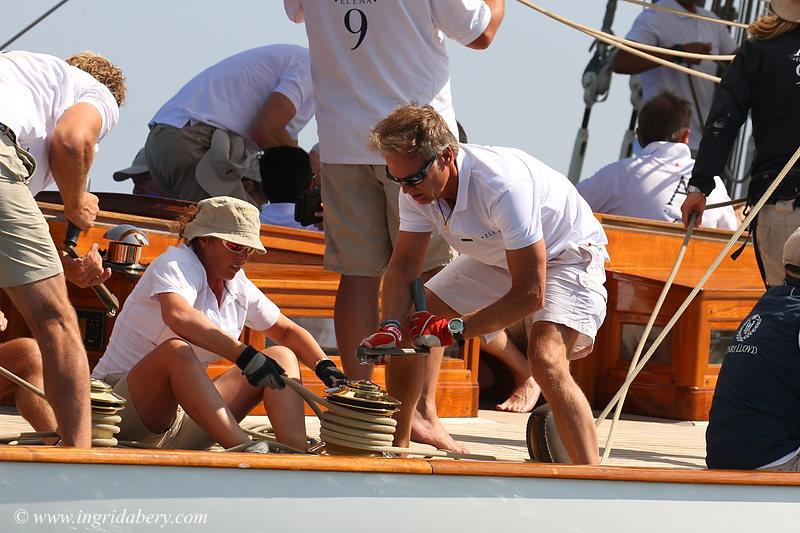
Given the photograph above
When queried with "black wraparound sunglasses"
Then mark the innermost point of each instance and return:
(415, 178)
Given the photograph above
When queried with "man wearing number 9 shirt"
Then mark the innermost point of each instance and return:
(367, 59)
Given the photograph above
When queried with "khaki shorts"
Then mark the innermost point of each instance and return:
(574, 293)
(27, 252)
(172, 155)
(362, 219)
(183, 434)
(775, 224)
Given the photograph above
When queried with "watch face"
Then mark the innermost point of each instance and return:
(456, 325)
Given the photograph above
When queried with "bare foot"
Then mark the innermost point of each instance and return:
(431, 431)
(523, 399)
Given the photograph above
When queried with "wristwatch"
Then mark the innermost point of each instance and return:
(456, 328)
(693, 188)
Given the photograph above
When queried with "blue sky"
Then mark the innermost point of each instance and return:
(524, 91)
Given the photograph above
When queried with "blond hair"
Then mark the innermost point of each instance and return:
(103, 71)
(415, 130)
(769, 26)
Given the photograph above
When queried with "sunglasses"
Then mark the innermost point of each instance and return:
(238, 248)
(415, 178)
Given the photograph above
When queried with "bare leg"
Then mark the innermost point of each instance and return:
(548, 347)
(404, 382)
(426, 427)
(284, 407)
(355, 316)
(526, 390)
(45, 306)
(22, 357)
(170, 375)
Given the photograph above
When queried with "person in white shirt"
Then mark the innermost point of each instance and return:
(52, 115)
(261, 97)
(188, 309)
(671, 30)
(652, 185)
(529, 245)
(366, 60)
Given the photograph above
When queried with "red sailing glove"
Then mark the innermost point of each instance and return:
(387, 336)
(429, 330)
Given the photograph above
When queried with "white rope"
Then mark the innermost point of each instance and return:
(688, 14)
(646, 333)
(696, 290)
(617, 42)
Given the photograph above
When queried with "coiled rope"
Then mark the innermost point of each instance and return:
(349, 430)
(104, 420)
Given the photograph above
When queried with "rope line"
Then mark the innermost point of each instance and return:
(646, 333)
(617, 42)
(696, 290)
(688, 14)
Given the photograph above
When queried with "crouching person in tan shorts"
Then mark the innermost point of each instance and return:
(188, 309)
(530, 247)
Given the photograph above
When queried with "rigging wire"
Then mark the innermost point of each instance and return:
(25, 30)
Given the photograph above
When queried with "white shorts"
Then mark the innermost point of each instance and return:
(574, 291)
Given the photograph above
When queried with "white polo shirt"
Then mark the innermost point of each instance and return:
(666, 30)
(368, 58)
(35, 90)
(506, 200)
(653, 186)
(139, 327)
(230, 93)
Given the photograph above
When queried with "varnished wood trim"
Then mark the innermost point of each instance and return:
(177, 458)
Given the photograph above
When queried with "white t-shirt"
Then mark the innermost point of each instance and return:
(230, 93)
(653, 186)
(506, 200)
(369, 57)
(140, 328)
(36, 90)
(282, 214)
(666, 30)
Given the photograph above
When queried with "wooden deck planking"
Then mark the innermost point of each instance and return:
(639, 441)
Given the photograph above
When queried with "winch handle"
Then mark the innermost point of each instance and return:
(418, 294)
(110, 302)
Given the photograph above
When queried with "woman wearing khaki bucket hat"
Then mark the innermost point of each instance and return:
(188, 309)
(763, 80)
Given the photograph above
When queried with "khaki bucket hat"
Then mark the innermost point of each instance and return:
(788, 10)
(229, 219)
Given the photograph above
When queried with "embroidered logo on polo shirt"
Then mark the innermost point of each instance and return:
(748, 327)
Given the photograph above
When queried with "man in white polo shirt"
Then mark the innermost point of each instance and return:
(367, 58)
(672, 30)
(52, 115)
(259, 98)
(530, 247)
(653, 184)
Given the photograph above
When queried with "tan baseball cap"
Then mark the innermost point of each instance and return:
(227, 161)
(227, 218)
(788, 10)
(791, 250)
(138, 166)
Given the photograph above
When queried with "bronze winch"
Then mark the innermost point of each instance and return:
(125, 248)
(364, 396)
